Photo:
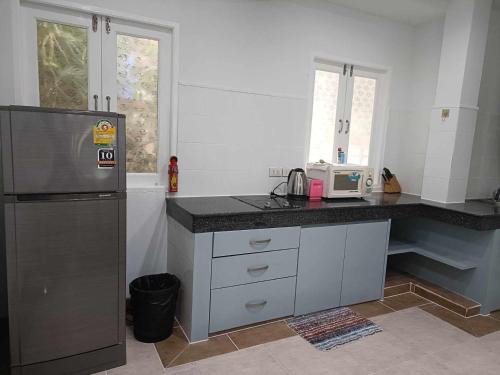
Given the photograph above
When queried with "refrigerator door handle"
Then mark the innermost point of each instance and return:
(69, 197)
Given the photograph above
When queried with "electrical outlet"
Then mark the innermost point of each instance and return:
(274, 172)
(285, 172)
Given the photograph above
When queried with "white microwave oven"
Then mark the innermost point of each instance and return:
(342, 180)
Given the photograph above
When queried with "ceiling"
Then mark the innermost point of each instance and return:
(413, 12)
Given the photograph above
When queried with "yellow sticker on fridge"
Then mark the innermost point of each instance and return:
(104, 133)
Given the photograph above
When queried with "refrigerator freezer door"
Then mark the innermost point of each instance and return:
(56, 153)
(67, 277)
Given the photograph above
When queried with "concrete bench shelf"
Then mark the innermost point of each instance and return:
(441, 255)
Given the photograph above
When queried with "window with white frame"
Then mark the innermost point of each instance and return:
(346, 114)
(82, 61)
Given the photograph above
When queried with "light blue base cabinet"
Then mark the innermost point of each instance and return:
(341, 265)
(364, 262)
(235, 278)
(319, 274)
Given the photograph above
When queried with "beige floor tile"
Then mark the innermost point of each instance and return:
(478, 325)
(374, 353)
(397, 350)
(404, 301)
(170, 348)
(422, 332)
(261, 335)
(141, 359)
(299, 357)
(423, 365)
(187, 369)
(491, 342)
(371, 309)
(469, 359)
(247, 361)
(212, 347)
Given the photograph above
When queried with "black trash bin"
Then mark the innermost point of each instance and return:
(153, 299)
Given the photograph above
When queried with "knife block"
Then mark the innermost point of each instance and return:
(392, 186)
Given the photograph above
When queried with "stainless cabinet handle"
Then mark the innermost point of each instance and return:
(108, 99)
(259, 242)
(258, 268)
(253, 304)
(96, 98)
(348, 126)
(341, 126)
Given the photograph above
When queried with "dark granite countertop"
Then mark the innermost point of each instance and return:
(213, 214)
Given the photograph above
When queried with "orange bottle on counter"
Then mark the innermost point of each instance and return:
(173, 175)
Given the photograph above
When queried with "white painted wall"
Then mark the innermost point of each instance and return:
(484, 175)
(409, 130)
(146, 232)
(245, 72)
(241, 49)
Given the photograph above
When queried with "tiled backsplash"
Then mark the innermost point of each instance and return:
(228, 139)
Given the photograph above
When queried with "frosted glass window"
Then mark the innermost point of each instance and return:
(326, 90)
(62, 65)
(363, 103)
(137, 78)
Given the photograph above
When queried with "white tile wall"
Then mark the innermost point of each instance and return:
(448, 154)
(228, 140)
(413, 126)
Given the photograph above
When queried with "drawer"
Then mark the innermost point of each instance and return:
(244, 269)
(255, 240)
(251, 303)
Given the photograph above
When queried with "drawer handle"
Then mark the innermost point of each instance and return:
(258, 268)
(260, 242)
(254, 304)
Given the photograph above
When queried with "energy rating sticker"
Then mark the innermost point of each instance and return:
(104, 133)
(106, 158)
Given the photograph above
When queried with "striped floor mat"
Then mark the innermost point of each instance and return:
(328, 329)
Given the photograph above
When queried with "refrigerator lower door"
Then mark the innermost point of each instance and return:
(67, 277)
(56, 153)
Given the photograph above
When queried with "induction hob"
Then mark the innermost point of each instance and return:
(267, 202)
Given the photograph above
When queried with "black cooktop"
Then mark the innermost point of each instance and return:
(275, 202)
(266, 202)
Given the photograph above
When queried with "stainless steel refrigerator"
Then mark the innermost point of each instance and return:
(62, 260)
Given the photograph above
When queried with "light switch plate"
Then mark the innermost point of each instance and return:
(285, 172)
(274, 172)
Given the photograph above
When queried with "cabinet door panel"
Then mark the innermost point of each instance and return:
(319, 276)
(364, 262)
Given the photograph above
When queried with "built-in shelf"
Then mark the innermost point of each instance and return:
(441, 255)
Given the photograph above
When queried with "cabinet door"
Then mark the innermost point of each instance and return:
(364, 262)
(319, 276)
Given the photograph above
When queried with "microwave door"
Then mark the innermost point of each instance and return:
(344, 183)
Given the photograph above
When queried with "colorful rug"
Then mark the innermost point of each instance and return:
(327, 329)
